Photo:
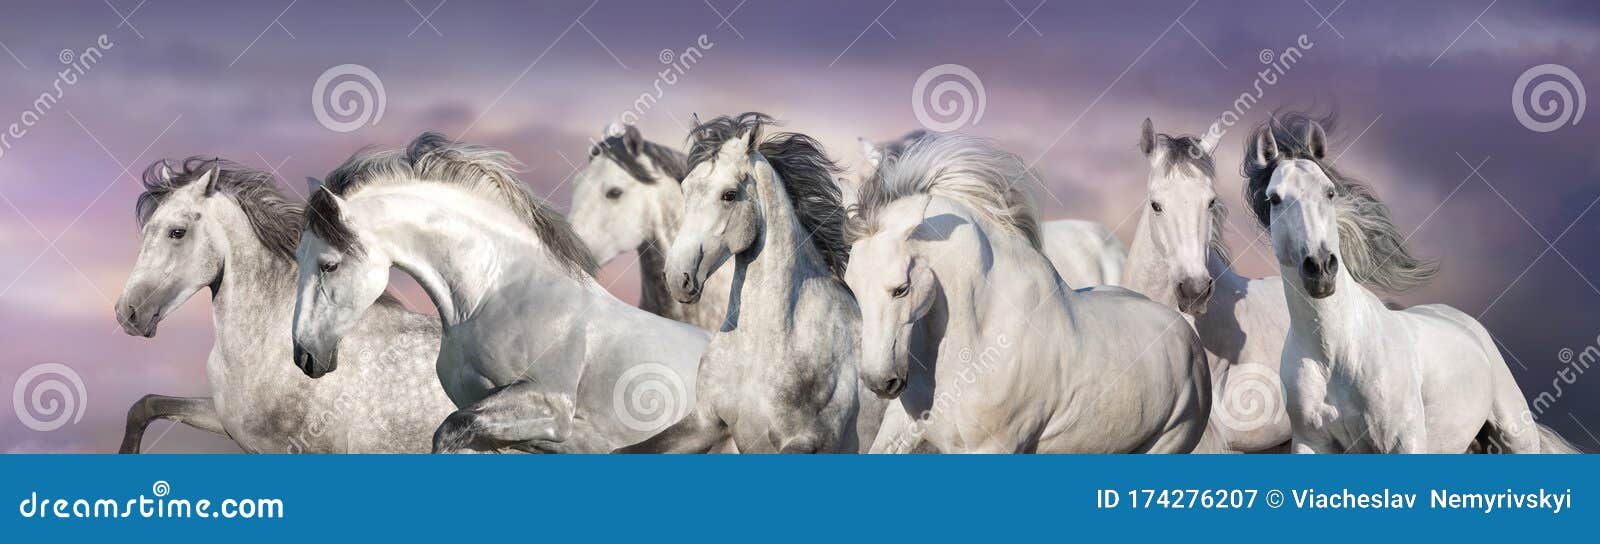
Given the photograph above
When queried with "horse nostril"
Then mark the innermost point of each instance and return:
(891, 385)
(1310, 268)
(1333, 264)
(133, 315)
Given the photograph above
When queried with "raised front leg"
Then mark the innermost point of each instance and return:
(697, 432)
(197, 412)
(514, 416)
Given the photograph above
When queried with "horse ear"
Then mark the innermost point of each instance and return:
(208, 179)
(338, 202)
(1316, 140)
(1208, 142)
(166, 172)
(908, 227)
(312, 184)
(1266, 145)
(873, 153)
(1147, 138)
(632, 140)
(752, 136)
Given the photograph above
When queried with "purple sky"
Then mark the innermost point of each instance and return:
(1424, 89)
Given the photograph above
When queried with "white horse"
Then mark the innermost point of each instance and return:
(780, 374)
(1177, 250)
(975, 334)
(215, 224)
(1085, 253)
(1362, 377)
(628, 197)
(536, 354)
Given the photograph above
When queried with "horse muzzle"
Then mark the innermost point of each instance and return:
(310, 364)
(136, 322)
(1193, 295)
(1318, 274)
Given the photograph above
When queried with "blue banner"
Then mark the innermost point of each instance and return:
(788, 498)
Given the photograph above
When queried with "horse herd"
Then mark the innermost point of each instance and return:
(930, 311)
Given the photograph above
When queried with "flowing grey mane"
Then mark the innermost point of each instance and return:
(435, 158)
(625, 150)
(806, 171)
(275, 220)
(1184, 152)
(1374, 250)
(963, 168)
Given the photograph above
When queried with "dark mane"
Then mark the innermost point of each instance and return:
(1374, 250)
(806, 172)
(621, 150)
(434, 158)
(275, 220)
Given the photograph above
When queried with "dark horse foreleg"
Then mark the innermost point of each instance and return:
(518, 416)
(197, 412)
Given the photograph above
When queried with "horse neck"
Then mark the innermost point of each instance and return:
(473, 262)
(256, 288)
(973, 297)
(781, 257)
(1334, 324)
(1147, 271)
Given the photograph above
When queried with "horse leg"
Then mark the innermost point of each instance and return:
(197, 412)
(697, 432)
(518, 415)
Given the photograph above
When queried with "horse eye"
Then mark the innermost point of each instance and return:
(614, 193)
(1212, 205)
(177, 234)
(1330, 194)
(1155, 207)
(1275, 199)
(901, 291)
(328, 267)
(730, 196)
(594, 151)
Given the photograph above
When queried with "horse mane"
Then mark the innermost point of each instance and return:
(959, 167)
(617, 148)
(1185, 152)
(898, 147)
(435, 158)
(1374, 251)
(274, 219)
(806, 172)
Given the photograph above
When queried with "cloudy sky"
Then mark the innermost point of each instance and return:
(1424, 89)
